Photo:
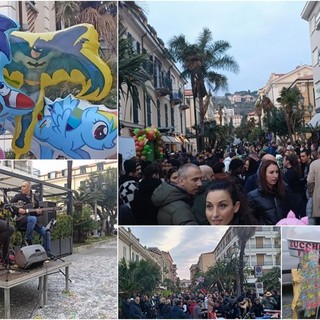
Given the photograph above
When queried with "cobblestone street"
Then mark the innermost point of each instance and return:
(92, 290)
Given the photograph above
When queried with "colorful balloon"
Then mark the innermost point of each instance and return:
(43, 60)
(12, 101)
(73, 128)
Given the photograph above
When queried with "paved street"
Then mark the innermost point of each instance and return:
(93, 288)
(286, 302)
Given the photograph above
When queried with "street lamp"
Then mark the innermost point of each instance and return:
(95, 180)
(310, 109)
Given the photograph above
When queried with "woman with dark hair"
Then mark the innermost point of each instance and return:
(250, 167)
(227, 205)
(172, 175)
(269, 200)
(294, 179)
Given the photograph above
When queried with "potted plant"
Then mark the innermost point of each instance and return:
(61, 235)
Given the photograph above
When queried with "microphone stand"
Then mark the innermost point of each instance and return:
(7, 206)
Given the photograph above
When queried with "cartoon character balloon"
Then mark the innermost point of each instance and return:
(12, 101)
(74, 128)
(43, 60)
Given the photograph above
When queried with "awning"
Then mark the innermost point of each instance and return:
(315, 121)
(166, 139)
(176, 140)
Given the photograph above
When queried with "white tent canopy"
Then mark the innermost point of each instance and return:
(315, 121)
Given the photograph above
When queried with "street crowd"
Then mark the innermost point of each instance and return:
(202, 305)
(239, 185)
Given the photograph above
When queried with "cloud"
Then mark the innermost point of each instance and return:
(265, 36)
(185, 243)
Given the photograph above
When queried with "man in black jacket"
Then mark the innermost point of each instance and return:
(29, 222)
(135, 309)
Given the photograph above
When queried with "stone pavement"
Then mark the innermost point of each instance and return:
(92, 290)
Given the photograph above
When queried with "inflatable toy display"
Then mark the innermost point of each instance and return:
(40, 61)
(75, 129)
(12, 101)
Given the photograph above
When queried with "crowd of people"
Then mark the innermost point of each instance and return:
(245, 185)
(202, 305)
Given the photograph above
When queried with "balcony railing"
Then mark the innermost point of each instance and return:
(265, 263)
(264, 246)
(176, 98)
(162, 86)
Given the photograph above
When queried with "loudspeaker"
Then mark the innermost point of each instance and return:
(30, 256)
(47, 215)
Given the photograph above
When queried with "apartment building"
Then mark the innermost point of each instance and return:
(185, 284)
(130, 248)
(301, 77)
(165, 108)
(205, 261)
(32, 16)
(80, 173)
(311, 14)
(262, 249)
(193, 270)
(192, 113)
(165, 260)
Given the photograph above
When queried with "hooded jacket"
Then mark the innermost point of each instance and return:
(174, 205)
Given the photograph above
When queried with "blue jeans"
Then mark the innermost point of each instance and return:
(44, 233)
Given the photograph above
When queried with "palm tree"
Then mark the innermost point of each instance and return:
(200, 62)
(101, 14)
(68, 12)
(289, 97)
(263, 103)
(244, 234)
(131, 73)
(127, 283)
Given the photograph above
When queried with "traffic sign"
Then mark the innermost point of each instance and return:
(259, 287)
(258, 271)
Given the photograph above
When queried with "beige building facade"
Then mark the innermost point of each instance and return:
(302, 78)
(205, 261)
(130, 248)
(32, 16)
(262, 249)
(80, 173)
(165, 108)
(311, 14)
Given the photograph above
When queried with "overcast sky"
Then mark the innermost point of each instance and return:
(266, 36)
(185, 244)
(46, 166)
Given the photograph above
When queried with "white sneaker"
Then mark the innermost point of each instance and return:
(52, 223)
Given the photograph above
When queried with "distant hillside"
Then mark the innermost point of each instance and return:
(241, 101)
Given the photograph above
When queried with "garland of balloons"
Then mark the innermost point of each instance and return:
(148, 144)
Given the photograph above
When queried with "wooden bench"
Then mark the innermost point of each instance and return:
(10, 279)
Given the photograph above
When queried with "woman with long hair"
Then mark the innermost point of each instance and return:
(227, 205)
(294, 179)
(269, 201)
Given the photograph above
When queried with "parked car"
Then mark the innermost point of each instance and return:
(294, 241)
